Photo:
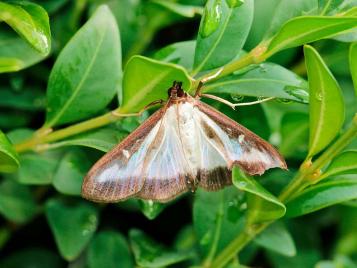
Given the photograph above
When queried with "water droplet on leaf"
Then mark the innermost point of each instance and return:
(319, 96)
(234, 3)
(211, 18)
(237, 97)
(285, 101)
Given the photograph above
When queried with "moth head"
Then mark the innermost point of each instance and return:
(176, 90)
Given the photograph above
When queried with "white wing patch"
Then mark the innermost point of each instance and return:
(186, 148)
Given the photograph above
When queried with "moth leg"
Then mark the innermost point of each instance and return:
(151, 104)
(234, 105)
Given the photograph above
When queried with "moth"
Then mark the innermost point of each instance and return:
(184, 145)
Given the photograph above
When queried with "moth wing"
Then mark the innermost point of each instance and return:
(166, 165)
(238, 145)
(148, 164)
(118, 174)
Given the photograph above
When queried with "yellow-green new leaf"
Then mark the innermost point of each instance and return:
(262, 205)
(30, 21)
(306, 29)
(147, 80)
(9, 160)
(344, 163)
(353, 64)
(327, 109)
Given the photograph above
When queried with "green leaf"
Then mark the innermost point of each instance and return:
(294, 134)
(87, 72)
(344, 163)
(322, 195)
(16, 201)
(353, 64)
(224, 27)
(327, 6)
(327, 109)
(9, 160)
(150, 208)
(31, 99)
(37, 168)
(278, 239)
(30, 21)
(287, 9)
(102, 139)
(109, 249)
(32, 257)
(72, 225)
(263, 80)
(182, 10)
(306, 29)
(152, 255)
(70, 173)
(155, 79)
(262, 205)
(16, 53)
(218, 219)
(181, 53)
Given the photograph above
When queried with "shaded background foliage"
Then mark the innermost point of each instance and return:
(76, 59)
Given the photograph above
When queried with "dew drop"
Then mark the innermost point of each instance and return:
(234, 3)
(262, 68)
(206, 238)
(211, 18)
(319, 96)
(285, 101)
(237, 97)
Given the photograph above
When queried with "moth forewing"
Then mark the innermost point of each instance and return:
(184, 145)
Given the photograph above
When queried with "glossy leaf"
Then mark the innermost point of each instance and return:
(155, 79)
(16, 201)
(109, 249)
(16, 54)
(183, 10)
(30, 21)
(287, 9)
(326, 102)
(181, 53)
(322, 195)
(262, 205)
(344, 163)
(87, 72)
(326, 6)
(150, 208)
(102, 139)
(9, 160)
(150, 254)
(294, 134)
(217, 226)
(71, 170)
(32, 257)
(264, 80)
(37, 168)
(224, 26)
(278, 239)
(30, 99)
(306, 29)
(72, 225)
(353, 64)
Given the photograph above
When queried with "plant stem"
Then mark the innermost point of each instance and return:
(297, 184)
(68, 131)
(237, 244)
(255, 56)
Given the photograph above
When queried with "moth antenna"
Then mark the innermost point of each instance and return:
(198, 90)
(151, 104)
(234, 105)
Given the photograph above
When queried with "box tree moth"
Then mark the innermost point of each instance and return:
(184, 145)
